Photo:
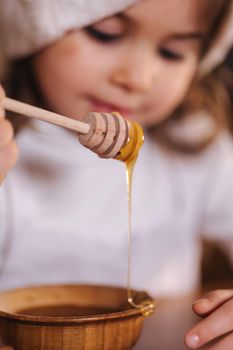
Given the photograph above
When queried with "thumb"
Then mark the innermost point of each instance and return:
(211, 301)
(2, 93)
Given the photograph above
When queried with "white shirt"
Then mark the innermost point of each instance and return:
(66, 218)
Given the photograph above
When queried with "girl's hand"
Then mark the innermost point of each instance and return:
(217, 327)
(6, 348)
(8, 148)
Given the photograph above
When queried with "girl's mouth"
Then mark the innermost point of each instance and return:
(102, 106)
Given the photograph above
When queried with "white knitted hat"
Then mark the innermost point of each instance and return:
(28, 25)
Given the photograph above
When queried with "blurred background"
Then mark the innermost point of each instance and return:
(217, 270)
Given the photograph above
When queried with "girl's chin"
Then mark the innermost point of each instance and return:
(142, 120)
(77, 115)
(146, 123)
(151, 122)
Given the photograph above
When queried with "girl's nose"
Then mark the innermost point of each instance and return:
(135, 73)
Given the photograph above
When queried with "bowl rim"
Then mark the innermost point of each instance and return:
(74, 320)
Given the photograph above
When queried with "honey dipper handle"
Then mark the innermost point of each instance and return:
(41, 114)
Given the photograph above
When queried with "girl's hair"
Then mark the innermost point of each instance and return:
(209, 100)
(21, 85)
(209, 95)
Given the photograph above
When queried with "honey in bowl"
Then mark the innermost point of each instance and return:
(65, 311)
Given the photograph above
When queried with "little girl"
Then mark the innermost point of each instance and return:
(63, 211)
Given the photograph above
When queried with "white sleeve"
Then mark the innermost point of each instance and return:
(218, 217)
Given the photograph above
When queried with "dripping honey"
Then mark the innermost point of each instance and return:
(129, 154)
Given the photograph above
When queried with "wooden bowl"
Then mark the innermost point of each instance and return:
(70, 317)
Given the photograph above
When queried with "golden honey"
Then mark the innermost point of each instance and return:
(129, 154)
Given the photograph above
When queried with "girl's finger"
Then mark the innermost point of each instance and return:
(211, 301)
(225, 343)
(218, 323)
(8, 157)
(6, 132)
(2, 94)
(2, 178)
(2, 112)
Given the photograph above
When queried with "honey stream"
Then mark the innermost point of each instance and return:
(129, 154)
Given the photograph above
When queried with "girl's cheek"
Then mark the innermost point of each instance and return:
(68, 46)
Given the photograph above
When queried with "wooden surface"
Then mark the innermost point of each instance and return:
(165, 329)
(114, 325)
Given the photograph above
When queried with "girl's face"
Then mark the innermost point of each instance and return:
(140, 62)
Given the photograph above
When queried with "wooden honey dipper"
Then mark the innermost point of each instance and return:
(103, 133)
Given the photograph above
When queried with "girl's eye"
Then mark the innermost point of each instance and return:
(170, 55)
(102, 36)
